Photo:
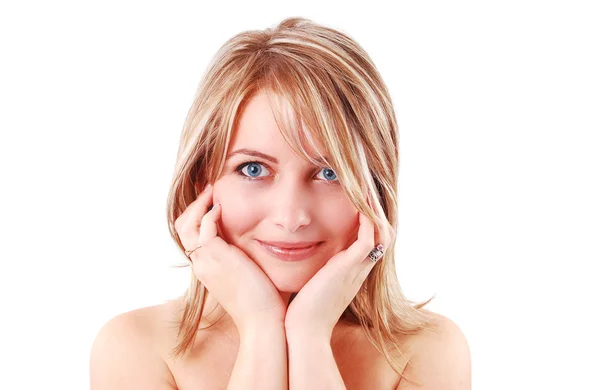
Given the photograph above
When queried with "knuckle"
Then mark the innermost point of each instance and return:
(177, 223)
(181, 225)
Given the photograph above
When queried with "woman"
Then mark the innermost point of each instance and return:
(284, 201)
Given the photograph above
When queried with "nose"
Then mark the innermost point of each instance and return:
(291, 205)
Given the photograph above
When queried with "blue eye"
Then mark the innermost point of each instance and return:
(329, 174)
(255, 169)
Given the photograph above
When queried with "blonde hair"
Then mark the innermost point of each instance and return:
(325, 90)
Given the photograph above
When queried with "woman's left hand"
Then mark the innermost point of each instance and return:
(320, 303)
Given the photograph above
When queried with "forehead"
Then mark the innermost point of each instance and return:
(258, 129)
(256, 120)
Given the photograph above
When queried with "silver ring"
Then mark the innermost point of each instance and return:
(376, 253)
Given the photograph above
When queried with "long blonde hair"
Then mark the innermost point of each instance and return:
(325, 90)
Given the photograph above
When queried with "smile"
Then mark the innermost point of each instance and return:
(290, 254)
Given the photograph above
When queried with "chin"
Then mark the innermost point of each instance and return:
(288, 280)
(288, 284)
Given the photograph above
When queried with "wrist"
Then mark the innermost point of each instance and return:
(305, 335)
(260, 330)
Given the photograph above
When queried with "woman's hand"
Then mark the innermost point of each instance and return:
(236, 282)
(320, 303)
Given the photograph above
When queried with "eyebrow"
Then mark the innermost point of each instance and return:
(255, 153)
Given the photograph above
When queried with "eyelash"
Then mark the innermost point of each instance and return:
(244, 164)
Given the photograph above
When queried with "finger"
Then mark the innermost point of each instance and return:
(190, 219)
(370, 236)
(365, 240)
(384, 234)
(366, 231)
(208, 227)
(390, 233)
(381, 236)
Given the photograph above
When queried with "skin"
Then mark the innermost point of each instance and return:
(291, 200)
(253, 286)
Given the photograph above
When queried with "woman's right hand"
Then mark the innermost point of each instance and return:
(236, 282)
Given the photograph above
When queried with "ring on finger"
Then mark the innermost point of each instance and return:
(188, 253)
(376, 253)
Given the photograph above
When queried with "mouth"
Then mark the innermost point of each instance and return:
(291, 251)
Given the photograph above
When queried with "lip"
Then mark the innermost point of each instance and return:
(290, 245)
(299, 251)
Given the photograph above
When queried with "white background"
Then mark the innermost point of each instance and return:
(498, 105)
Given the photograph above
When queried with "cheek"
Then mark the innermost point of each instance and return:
(341, 219)
(237, 215)
(239, 212)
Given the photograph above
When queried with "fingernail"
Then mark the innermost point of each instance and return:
(207, 187)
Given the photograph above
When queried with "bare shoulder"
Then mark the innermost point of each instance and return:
(439, 358)
(126, 352)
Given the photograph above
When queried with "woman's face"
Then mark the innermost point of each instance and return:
(286, 199)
